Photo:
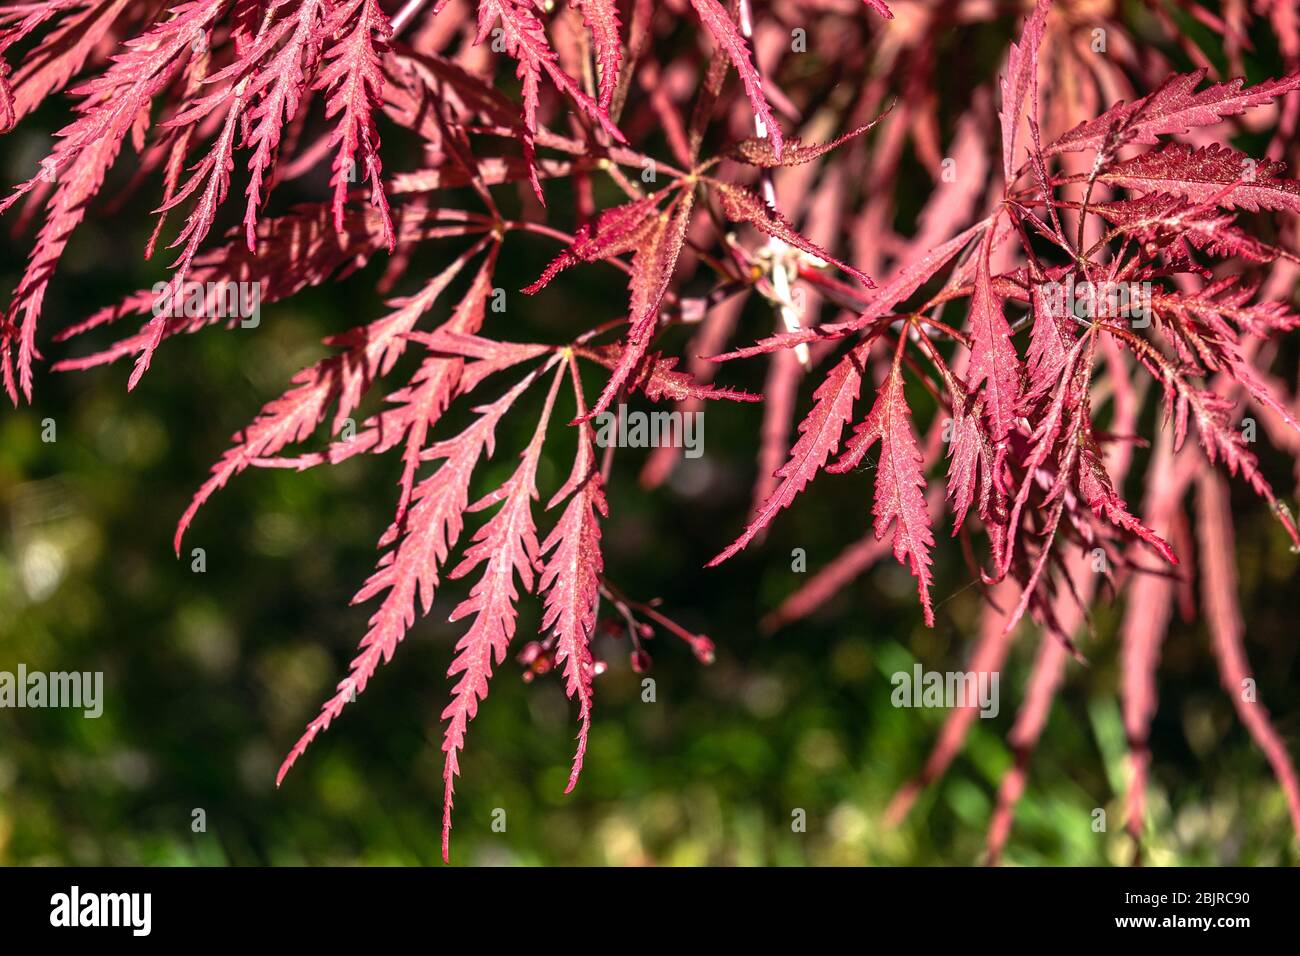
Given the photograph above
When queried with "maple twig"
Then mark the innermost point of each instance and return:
(777, 250)
(406, 15)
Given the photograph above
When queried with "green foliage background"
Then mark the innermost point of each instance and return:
(210, 677)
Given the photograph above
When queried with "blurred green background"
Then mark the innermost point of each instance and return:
(210, 677)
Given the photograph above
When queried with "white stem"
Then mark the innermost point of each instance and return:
(404, 15)
(777, 249)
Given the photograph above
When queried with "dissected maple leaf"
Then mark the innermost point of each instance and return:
(1171, 109)
(355, 82)
(343, 378)
(601, 18)
(900, 483)
(725, 33)
(615, 231)
(743, 205)
(571, 578)
(761, 151)
(1214, 174)
(421, 545)
(524, 38)
(819, 438)
(653, 265)
(85, 151)
(994, 362)
(1020, 80)
(507, 545)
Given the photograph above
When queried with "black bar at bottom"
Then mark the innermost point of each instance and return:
(343, 906)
